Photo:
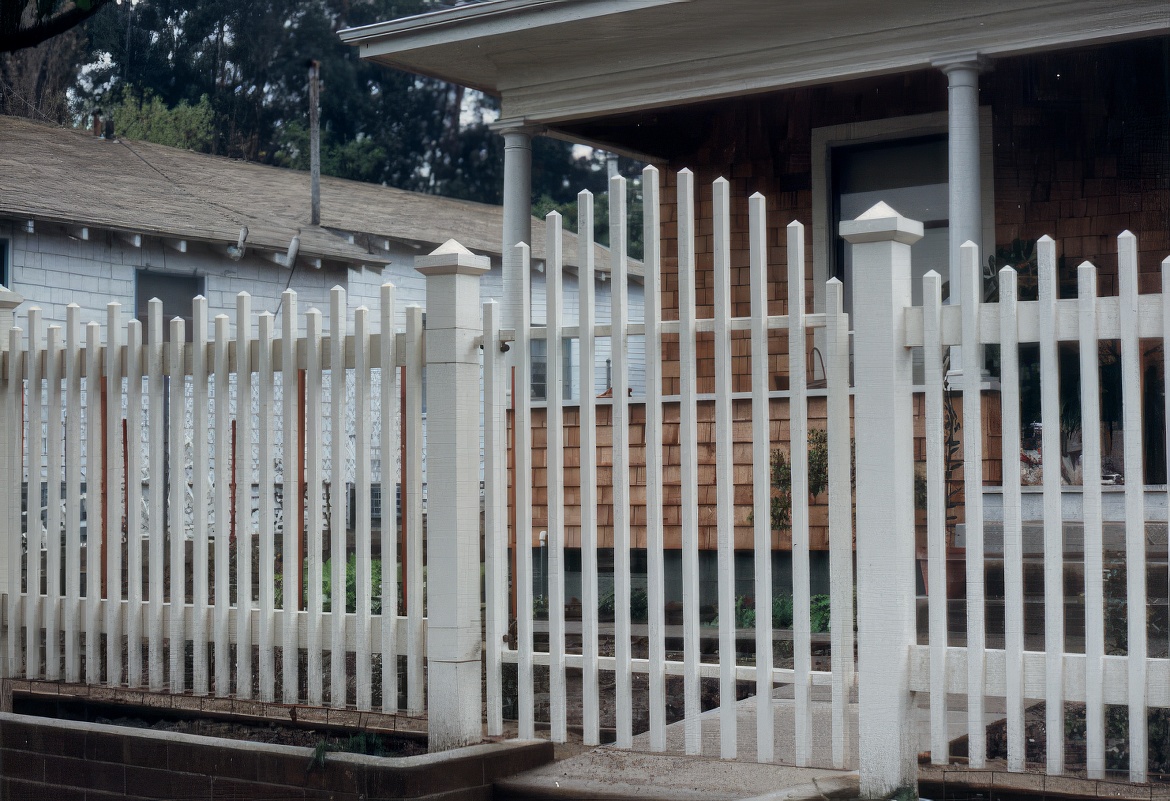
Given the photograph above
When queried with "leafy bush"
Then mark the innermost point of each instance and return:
(350, 586)
(639, 605)
(781, 611)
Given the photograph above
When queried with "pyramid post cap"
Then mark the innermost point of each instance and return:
(881, 223)
(452, 258)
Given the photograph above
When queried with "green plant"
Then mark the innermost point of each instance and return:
(781, 469)
(361, 743)
(539, 607)
(819, 612)
(745, 613)
(350, 586)
(781, 611)
(639, 605)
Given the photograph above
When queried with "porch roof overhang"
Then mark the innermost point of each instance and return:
(558, 61)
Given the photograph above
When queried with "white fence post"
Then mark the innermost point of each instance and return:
(883, 416)
(454, 331)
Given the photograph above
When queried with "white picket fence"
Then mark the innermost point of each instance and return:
(1053, 674)
(56, 387)
(190, 488)
(623, 666)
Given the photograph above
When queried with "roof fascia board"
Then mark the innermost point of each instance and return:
(480, 20)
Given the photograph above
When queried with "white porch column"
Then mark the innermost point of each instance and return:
(884, 422)
(454, 324)
(10, 433)
(966, 218)
(517, 214)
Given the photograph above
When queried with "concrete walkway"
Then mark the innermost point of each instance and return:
(610, 773)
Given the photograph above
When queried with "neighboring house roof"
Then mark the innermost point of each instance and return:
(553, 61)
(69, 177)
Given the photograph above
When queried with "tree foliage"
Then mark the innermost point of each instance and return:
(247, 63)
(28, 23)
(185, 126)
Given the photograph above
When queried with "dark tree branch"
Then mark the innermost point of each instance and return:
(15, 37)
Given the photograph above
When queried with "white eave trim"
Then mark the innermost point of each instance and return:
(481, 19)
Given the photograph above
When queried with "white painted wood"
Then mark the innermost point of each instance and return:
(971, 274)
(389, 486)
(1135, 530)
(590, 692)
(413, 570)
(291, 497)
(156, 513)
(724, 488)
(314, 457)
(266, 520)
(798, 455)
(95, 524)
(1091, 498)
(495, 496)
(222, 454)
(881, 241)
(1013, 546)
(936, 512)
(655, 560)
(1053, 525)
(177, 529)
(555, 471)
(53, 359)
(200, 490)
(841, 591)
(245, 534)
(1114, 671)
(15, 461)
(136, 518)
(762, 477)
(34, 447)
(619, 344)
(362, 435)
(522, 460)
(688, 440)
(73, 416)
(455, 635)
(337, 544)
(114, 498)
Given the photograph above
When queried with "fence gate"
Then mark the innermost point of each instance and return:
(675, 471)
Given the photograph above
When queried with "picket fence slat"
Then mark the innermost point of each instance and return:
(95, 528)
(33, 533)
(362, 557)
(413, 483)
(243, 479)
(15, 461)
(53, 503)
(798, 447)
(73, 494)
(266, 413)
(1013, 546)
(136, 520)
(761, 478)
(495, 520)
(290, 497)
(655, 560)
(156, 392)
(1048, 289)
(522, 422)
(200, 488)
(688, 438)
(724, 512)
(389, 486)
(112, 493)
(555, 471)
(936, 516)
(1135, 530)
(222, 445)
(337, 557)
(590, 692)
(1094, 539)
(971, 276)
(840, 470)
(619, 348)
(313, 510)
